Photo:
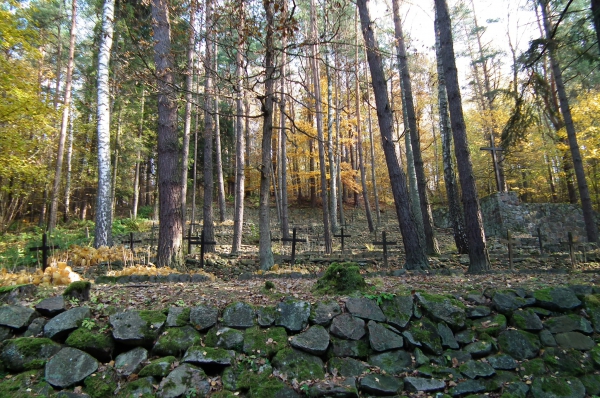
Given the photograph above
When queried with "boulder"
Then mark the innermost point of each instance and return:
(51, 306)
(334, 388)
(98, 345)
(298, 365)
(474, 369)
(505, 302)
(479, 348)
(70, 366)
(264, 342)
(557, 299)
(382, 338)
(425, 333)
(393, 362)
(559, 387)
(349, 348)
(27, 353)
(292, 315)
(323, 312)
(6, 333)
(519, 344)
(398, 310)
(346, 367)
(492, 325)
(415, 384)
(502, 362)
(239, 315)
(442, 308)
(36, 327)
(547, 339)
(315, 340)
(143, 387)
(592, 308)
(478, 312)
(526, 320)
(380, 384)
(348, 327)
(176, 341)
(131, 362)
(362, 307)
(203, 317)
(185, 380)
(61, 325)
(568, 323)
(16, 316)
(575, 340)
(158, 368)
(467, 387)
(265, 316)
(567, 362)
(227, 338)
(137, 327)
(208, 356)
(447, 337)
(178, 316)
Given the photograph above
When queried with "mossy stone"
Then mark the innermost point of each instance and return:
(560, 387)
(79, 290)
(175, 341)
(265, 342)
(567, 362)
(25, 385)
(101, 384)
(27, 353)
(158, 368)
(591, 383)
(299, 365)
(97, 344)
(230, 339)
(140, 388)
(341, 278)
(534, 367)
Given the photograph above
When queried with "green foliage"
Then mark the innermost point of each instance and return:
(341, 278)
(380, 297)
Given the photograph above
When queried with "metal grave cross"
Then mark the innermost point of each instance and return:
(44, 249)
(494, 151)
(342, 236)
(131, 241)
(540, 236)
(195, 240)
(293, 239)
(385, 243)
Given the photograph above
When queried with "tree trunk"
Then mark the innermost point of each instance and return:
(103, 230)
(136, 179)
(373, 179)
(320, 135)
(264, 251)
(584, 194)
(596, 15)
(338, 148)
(431, 246)
(240, 177)
(218, 154)
(285, 228)
(333, 167)
(115, 165)
(478, 255)
(169, 157)
(454, 210)
(64, 123)
(66, 214)
(207, 208)
(413, 247)
(187, 117)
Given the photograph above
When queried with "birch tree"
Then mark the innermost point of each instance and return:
(103, 232)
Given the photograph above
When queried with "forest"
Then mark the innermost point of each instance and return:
(187, 111)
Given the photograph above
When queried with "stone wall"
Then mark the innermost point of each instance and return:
(503, 211)
(512, 342)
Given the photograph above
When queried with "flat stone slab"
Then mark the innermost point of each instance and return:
(568, 323)
(338, 389)
(415, 384)
(575, 340)
(209, 356)
(59, 326)
(323, 312)
(16, 316)
(398, 310)
(380, 384)
(519, 344)
(314, 340)
(185, 380)
(365, 308)
(382, 338)
(203, 317)
(137, 327)
(348, 327)
(442, 308)
(557, 299)
(131, 361)
(27, 353)
(239, 315)
(292, 315)
(51, 306)
(70, 366)
(393, 362)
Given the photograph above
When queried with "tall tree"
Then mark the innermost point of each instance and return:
(454, 209)
(103, 232)
(319, 116)
(265, 251)
(187, 117)
(595, 5)
(207, 209)
(138, 158)
(240, 176)
(218, 151)
(169, 157)
(64, 125)
(431, 246)
(584, 194)
(478, 255)
(282, 171)
(415, 251)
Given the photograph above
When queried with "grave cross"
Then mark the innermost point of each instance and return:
(131, 241)
(494, 151)
(510, 241)
(539, 236)
(44, 248)
(385, 243)
(195, 240)
(293, 240)
(342, 236)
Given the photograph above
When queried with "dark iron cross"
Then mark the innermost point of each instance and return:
(385, 243)
(198, 240)
(44, 248)
(539, 236)
(131, 241)
(494, 151)
(342, 236)
(293, 239)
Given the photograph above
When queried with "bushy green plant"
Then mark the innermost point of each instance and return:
(341, 278)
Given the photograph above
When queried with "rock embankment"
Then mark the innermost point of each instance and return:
(504, 343)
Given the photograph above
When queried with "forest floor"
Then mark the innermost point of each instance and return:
(448, 273)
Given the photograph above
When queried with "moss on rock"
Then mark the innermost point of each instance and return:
(265, 342)
(158, 368)
(341, 278)
(102, 384)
